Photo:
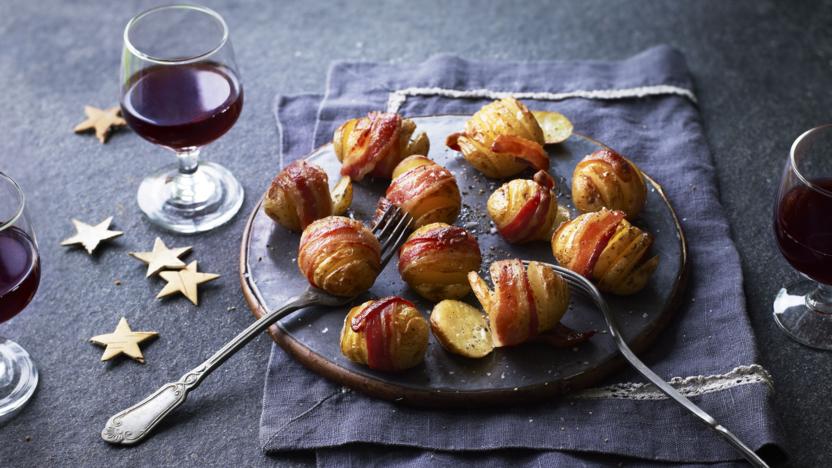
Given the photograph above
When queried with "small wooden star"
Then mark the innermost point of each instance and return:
(161, 257)
(185, 282)
(91, 236)
(123, 341)
(103, 121)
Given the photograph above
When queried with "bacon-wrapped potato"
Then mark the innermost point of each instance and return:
(435, 261)
(424, 189)
(525, 301)
(501, 140)
(386, 334)
(605, 179)
(300, 194)
(606, 248)
(527, 210)
(375, 144)
(339, 255)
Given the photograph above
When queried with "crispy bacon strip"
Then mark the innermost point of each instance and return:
(441, 238)
(522, 148)
(360, 319)
(452, 141)
(415, 183)
(592, 240)
(620, 166)
(512, 290)
(516, 230)
(372, 145)
(564, 337)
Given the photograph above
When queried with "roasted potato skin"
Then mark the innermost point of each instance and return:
(339, 255)
(621, 264)
(525, 302)
(525, 210)
(398, 335)
(426, 190)
(375, 144)
(298, 195)
(605, 179)
(435, 260)
(506, 117)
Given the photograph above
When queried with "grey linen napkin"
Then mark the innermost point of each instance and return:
(644, 107)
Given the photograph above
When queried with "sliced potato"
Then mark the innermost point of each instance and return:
(556, 127)
(562, 216)
(420, 145)
(461, 329)
(342, 196)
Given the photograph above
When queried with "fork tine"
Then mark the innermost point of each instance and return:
(385, 220)
(390, 245)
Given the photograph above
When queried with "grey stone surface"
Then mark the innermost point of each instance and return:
(762, 70)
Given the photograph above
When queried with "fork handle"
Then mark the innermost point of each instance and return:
(136, 422)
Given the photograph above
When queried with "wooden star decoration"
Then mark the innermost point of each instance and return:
(185, 282)
(91, 236)
(161, 258)
(103, 121)
(122, 341)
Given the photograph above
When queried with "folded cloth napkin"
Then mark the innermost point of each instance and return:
(643, 106)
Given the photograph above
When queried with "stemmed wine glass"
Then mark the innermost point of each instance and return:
(803, 228)
(19, 279)
(180, 89)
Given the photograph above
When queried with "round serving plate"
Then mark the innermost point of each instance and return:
(533, 371)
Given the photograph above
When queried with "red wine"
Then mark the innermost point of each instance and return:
(182, 106)
(803, 226)
(19, 272)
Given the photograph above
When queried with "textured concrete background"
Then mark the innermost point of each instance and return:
(762, 70)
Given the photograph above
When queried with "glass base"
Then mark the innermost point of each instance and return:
(802, 323)
(18, 378)
(189, 203)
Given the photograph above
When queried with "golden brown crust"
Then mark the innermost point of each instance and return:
(426, 190)
(620, 265)
(605, 179)
(525, 302)
(435, 261)
(526, 210)
(298, 195)
(394, 338)
(339, 255)
(501, 140)
(374, 144)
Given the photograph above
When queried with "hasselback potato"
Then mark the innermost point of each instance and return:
(386, 334)
(426, 190)
(501, 140)
(339, 255)
(373, 145)
(605, 179)
(526, 210)
(300, 194)
(606, 248)
(435, 261)
(525, 301)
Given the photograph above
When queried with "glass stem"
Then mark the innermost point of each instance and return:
(6, 366)
(820, 300)
(184, 184)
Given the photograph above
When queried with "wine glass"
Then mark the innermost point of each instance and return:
(803, 228)
(19, 279)
(180, 89)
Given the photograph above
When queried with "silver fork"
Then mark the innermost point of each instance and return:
(583, 286)
(136, 422)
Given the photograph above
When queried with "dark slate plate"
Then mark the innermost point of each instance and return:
(270, 275)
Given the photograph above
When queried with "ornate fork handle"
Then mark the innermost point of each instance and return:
(136, 422)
